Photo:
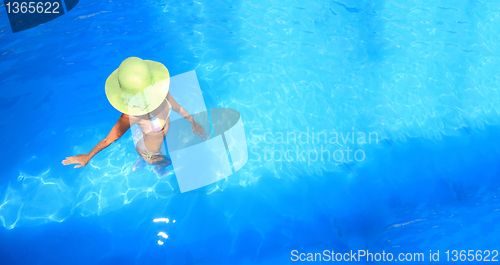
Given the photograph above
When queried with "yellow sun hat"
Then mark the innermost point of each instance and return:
(138, 86)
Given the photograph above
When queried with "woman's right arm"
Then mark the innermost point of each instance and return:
(197, 128)
(121, 126)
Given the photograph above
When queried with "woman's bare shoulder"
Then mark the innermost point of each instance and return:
(172, 101)
(131, 118)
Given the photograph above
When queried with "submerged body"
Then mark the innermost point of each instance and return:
(148, 138)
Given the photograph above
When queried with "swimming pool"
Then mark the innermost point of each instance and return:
(417, 78)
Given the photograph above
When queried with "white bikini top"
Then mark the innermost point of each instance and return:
(157, 125)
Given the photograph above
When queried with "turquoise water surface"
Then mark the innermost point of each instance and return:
(370, 125)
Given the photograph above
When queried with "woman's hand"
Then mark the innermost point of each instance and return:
(79, 159)
(198, 130)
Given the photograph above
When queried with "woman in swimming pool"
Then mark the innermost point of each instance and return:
(139, 89)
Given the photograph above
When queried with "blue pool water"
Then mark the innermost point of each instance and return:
(419, 77)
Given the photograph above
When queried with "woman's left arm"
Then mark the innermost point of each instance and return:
(197, 129)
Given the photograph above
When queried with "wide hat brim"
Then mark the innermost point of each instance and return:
(159, 90)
